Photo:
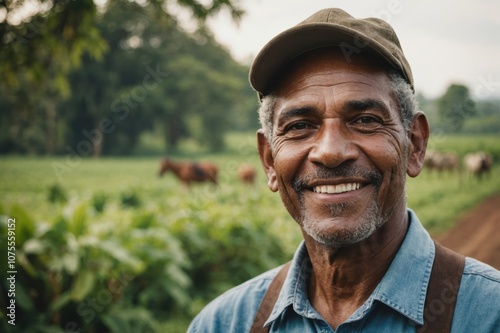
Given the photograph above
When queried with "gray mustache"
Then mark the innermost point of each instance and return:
(341, 171)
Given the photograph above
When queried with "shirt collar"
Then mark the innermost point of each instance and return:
(403, 287)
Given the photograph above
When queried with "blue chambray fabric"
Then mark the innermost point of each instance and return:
(396, 305)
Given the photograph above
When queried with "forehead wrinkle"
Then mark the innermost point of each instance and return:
(341, 75)
(356, 86)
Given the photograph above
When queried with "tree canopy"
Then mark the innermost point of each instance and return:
(455, 106)
(124, 68)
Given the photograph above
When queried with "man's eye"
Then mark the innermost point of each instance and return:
(366, 120)
(298, 126)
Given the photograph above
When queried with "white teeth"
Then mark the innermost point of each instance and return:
(333, 189)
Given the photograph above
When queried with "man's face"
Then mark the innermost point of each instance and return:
(339, 150)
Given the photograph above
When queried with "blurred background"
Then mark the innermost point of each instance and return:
(128, 159)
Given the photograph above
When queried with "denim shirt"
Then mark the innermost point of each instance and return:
(396, 304)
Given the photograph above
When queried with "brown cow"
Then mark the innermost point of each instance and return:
(442, 161)
(247, 173)
(189, 172)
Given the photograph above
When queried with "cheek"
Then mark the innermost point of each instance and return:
(391, 148)
(389, 157)
(288, 158)
(286, 167)
(288, 163)
(392, 164)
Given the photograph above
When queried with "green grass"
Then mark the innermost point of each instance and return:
(440, 200)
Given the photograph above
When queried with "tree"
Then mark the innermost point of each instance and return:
(455, 106)
(41, 54)
(109, 94)
(53, 39)
(154, 75)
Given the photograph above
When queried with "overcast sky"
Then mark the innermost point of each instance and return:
(450, 41)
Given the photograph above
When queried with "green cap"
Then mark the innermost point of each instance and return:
(328, 27)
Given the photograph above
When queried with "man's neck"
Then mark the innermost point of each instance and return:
(343, 278)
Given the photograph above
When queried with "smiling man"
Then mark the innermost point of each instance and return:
(340, 132)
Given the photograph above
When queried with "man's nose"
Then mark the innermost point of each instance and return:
(333, 145)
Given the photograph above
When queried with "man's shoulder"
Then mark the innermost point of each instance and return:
(478, 306)
(480, 284)
(234, 310)
(481, 272)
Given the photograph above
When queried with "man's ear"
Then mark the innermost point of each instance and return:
(418, 136)
(267, 160)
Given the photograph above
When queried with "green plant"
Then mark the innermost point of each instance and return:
(130, 198)
(226, 247)
(71, 275)
(99, 201)
(56, 193)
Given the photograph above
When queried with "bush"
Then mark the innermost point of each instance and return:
(226, 249)
(70, 274)
(130, 198)
(57, 194)
(99, 201)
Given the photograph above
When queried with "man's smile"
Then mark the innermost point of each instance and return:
(335, 189)
(342, 179)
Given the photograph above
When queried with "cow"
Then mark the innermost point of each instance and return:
(442, 161)
(478, 163)
(189, 172)
(247, 174)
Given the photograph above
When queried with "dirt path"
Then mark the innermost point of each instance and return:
(477, 234)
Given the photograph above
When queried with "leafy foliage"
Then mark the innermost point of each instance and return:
(56, 193)
(98, 201)
(53, 39)
(81, 272)
(130, 198)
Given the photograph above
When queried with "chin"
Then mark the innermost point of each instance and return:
(332, 232)
(339, 238)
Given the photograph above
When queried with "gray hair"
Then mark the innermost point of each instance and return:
(408, 105)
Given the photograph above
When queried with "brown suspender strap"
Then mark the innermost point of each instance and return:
(267, 304)
(439, 303)
(442, 291)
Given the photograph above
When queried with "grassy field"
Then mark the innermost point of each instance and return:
(439, 200)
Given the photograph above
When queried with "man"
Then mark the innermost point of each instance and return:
(340, 132)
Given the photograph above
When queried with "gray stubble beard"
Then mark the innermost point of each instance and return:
(372, 220)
